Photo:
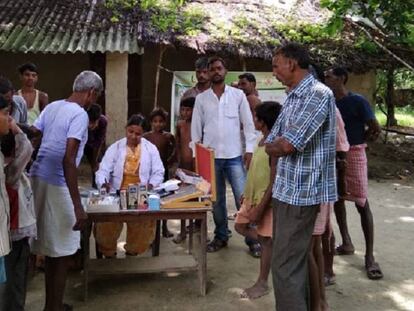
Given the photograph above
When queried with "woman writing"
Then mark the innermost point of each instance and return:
(130, 160)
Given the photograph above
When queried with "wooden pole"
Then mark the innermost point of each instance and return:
(157, 76)
(243, 62)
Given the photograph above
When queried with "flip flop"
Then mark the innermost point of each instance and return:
(329, 280)
(374, 271)
(255, 250)
(341, 251)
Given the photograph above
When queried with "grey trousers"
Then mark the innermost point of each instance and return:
(292, 233)
(13, 292)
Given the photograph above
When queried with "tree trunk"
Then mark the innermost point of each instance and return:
(389, 99)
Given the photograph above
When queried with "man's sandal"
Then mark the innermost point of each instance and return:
(215, 245)
(374, 271)
(341, 251)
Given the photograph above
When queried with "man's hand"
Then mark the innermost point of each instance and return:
(256, 213)
(107, 187)
(241, 199)
(81, 218)
(279, 148)
(247, 159)
(14, 128)
(373, 131)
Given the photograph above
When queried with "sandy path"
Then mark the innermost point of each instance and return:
(232, 269)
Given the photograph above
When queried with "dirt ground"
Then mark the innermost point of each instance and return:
(391, 193)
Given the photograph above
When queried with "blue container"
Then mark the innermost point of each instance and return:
(154, 202)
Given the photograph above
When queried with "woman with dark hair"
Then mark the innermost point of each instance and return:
(130, 160)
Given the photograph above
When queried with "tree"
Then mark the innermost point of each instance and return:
(393, 19)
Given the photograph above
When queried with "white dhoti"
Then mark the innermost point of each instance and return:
(55, 219)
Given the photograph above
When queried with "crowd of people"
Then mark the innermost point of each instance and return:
(289, 165)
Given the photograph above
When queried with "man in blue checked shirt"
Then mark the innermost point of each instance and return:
(303, 138)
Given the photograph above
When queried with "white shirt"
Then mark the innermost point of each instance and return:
(111, 169)
(216, 122)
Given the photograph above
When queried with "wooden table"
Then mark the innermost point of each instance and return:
(194, 261)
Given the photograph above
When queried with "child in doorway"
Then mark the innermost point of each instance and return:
(165, 143)
(255, 208)
(184, 152)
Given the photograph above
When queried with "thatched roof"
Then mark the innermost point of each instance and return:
(246, 28)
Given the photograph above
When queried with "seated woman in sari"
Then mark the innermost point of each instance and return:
(130, 160)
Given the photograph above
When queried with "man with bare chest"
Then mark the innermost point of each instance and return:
(165, 143)
(183, 135)
(36, 100)
(247, 83)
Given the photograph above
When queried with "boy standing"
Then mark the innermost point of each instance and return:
(165, 143)
(36, 100)
(183, 135)
(184, 152)
(96, 138)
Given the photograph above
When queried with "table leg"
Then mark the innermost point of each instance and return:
(86, 235)
(202, 260)
(156, 242)
(190, 236)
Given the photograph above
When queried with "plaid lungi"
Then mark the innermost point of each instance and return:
(357, 175)
(323, 219)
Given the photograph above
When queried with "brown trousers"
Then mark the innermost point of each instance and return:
(292, 233)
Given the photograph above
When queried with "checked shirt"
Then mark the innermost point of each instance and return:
(308, 122)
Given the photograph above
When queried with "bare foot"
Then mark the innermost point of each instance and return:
(256, 291)
(324, 306)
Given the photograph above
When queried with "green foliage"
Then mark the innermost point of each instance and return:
(365, 44)
(404, 115)
(403, 79)
(118, 7)
(395, 18)
(166, 15)
(172, 16)
(304, 33)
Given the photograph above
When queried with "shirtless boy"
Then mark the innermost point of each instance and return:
(165, 143)
(184, 152)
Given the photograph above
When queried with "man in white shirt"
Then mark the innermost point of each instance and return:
(218, 114)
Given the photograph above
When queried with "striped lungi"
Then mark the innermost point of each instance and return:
(323, 219)
(356, 175)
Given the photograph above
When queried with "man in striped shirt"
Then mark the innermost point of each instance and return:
(303, 138)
